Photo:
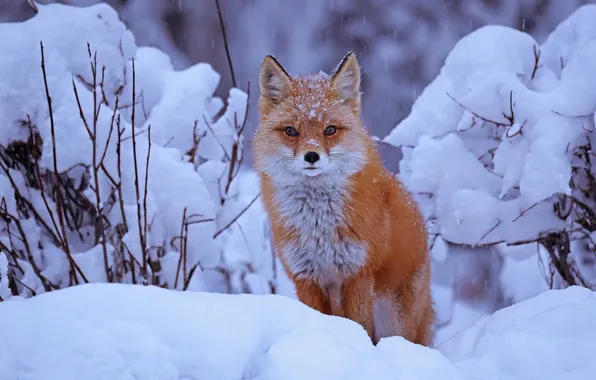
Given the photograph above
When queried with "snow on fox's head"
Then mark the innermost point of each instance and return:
(310, 125)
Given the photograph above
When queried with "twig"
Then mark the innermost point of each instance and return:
(133, 260)
(55, 162)
(105, 151)
(145, 232)
(273, 283)
(199, 221)
(225, 40)
(196, 141)
(537, 53)
(511, 116)
(137, 134)
(489, 231)
(96, 166)
(185, 252)
(136, 167)
(233, 171)
(54, 154)
(216, 138)
(497, 123)
(246, 109)
(524, 211)
(237, 216)
(572, 116)
(518, 132)
(181, 247)
(103, 93)
(81, 113)
(58, 235)
(29, 206)
(190, 274)
(47, 284)
(33, 292)
(119, 165)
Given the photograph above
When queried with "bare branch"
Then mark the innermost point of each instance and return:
(182, 237)
(145, 226)
(9, 218)
(489, 231)
(65, 245)
(497, 123)
(136, 167)
(99, 224)
(537, 64)
(225, 40)
(237, 216)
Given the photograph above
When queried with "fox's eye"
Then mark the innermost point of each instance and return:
(291, 131)
(330, 130)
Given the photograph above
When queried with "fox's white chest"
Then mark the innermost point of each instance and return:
(315, 210)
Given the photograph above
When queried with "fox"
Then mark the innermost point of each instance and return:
(347, 232)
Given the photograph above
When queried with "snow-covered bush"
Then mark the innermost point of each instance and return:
(114, 166)
(498, 150)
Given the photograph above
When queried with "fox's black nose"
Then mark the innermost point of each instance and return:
(311, 157)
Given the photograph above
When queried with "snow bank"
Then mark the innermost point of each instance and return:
(109, 331)
(496, 149)
(547, 336)
(147, 239)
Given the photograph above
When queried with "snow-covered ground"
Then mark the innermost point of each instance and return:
(125, 332)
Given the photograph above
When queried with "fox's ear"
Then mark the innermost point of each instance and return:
(346, 78)
(274, 81)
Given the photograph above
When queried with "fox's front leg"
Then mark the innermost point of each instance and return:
(357, 302)
(310, 294)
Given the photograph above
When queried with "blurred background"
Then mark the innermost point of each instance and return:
(400, 44)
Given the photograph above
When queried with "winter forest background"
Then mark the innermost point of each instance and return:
(497, 149)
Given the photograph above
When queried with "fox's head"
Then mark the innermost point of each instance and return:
(310, 125)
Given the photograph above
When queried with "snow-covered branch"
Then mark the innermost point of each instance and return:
(498, 149)
(104, 148)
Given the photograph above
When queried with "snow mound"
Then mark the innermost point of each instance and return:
(543, 337)
(111, 331)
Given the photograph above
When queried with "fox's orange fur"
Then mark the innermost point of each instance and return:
(348, 234)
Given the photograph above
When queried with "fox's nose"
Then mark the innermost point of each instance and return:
(311, 157)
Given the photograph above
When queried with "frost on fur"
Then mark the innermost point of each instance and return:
(114, 167)
(498, 150)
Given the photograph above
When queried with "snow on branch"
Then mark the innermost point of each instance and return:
(114, 167)
(498, 150)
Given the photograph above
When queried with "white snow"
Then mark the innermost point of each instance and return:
(110, 331)
(312, 142)
(513, 340)
(190, 153)
(492, 144)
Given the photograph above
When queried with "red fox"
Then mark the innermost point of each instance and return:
(348, 234)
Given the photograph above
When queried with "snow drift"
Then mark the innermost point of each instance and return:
(111, 331)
